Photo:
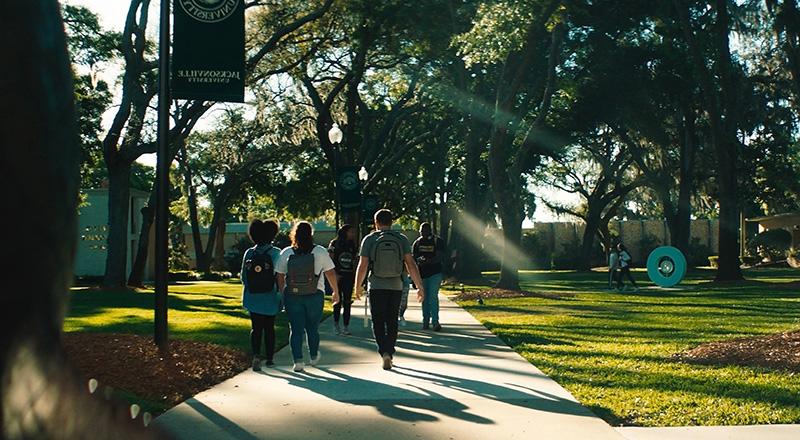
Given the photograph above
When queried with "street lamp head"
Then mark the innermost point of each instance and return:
(335, 134)
(363, 174)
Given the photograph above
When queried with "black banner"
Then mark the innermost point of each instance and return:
(208, 50)
(349, 189)
(370, 207)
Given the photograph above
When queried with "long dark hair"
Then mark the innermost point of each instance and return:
(302, 237)
(341, 234)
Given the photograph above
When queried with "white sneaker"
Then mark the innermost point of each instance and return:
(402, 322)
(315, 360)
(337, 329)
(346, 331)
(387, 362)
(298, 366)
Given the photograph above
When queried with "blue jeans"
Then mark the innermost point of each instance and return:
(430, 306)
(305, 312)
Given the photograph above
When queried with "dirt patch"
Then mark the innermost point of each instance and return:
(132, 363)
(503, 293)
(778, 352)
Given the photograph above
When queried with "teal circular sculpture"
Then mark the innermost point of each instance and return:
(666, 266)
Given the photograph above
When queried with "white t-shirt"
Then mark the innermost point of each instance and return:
(322, 263)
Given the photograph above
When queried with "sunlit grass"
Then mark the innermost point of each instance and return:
(612, 350)
(198, 311)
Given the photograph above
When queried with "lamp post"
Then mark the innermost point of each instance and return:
(363, 177)
(335, 136)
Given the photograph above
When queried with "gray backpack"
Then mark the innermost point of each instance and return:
(301, 278)
(387, 255)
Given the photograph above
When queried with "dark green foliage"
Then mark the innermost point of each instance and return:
(772, 244)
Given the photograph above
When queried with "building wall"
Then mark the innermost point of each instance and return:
(91, 254)
(558, 236)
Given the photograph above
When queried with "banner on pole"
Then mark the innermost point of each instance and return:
(208, 60)
(371, 205)
(349, 189)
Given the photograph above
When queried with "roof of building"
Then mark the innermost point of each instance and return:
(788, 219)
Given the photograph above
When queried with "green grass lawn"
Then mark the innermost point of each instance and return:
(611, 350)
(198, 311)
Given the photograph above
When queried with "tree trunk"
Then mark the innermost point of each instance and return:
(208, 251)
(512, 236)
(119, 193)
(587, 244)
(469, 243)
(219, 248)
(136, 277)
(729, 264)
(194, 221)
(39, 173)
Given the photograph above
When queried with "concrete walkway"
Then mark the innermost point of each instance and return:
(464, 383)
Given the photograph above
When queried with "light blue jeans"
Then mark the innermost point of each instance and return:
(305, 312)
(430, 306)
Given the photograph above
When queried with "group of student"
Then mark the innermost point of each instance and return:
(619, 268)
(296, 278)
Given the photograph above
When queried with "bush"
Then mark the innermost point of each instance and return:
(183, 275)
(699, 253)
(647, 244)
(771, 245)
(178, 257)
(215, 276)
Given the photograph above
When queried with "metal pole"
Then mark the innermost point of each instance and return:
(162, 181)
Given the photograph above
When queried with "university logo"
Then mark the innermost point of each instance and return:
(349, 181)
(210, 11)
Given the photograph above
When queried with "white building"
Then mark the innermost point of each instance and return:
(90, 260)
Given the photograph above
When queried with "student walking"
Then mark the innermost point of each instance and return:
(343, 251)
(613, 267)
(300, 269)
(625, 268)
(429, 252)
(385, 254)
(260, 296)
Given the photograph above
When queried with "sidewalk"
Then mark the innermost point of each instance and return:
(463, 383)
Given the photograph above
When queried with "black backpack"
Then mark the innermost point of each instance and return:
(260, 271)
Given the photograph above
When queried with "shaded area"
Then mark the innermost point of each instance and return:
(133, 364)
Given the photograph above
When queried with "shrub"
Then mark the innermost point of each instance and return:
(699, 253)
(234, 255)
(215, 276)
(183, 275)
(647, 244)
(772, 245)
(178, 257)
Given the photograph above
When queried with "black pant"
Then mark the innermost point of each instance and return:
(346, 283)
(625, 272)
(384, 306)
(263, 325)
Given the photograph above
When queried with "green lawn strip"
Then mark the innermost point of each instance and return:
(198, 311)
(612, 350)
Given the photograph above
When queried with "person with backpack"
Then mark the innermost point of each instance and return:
(343, 250)
(386, 254)
(429, 252)
(260, 296)
(300, 271)
(625, 268)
